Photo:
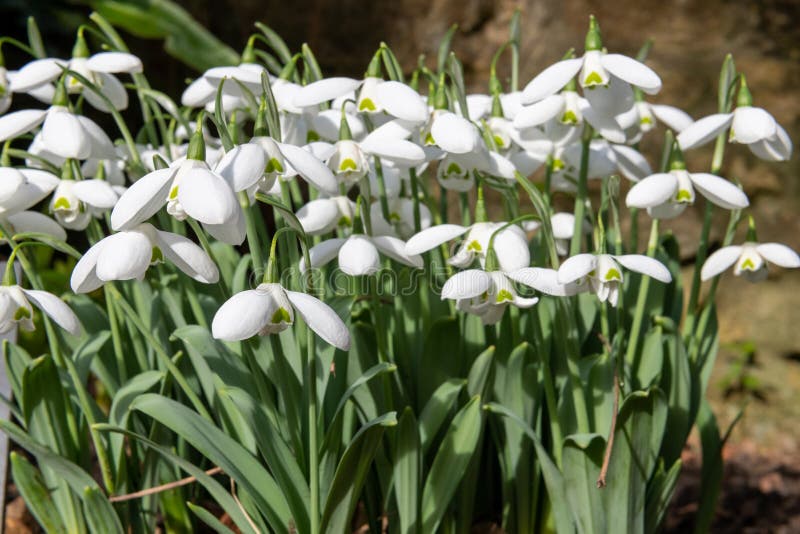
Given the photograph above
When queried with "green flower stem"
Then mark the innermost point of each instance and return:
(641, 299)
(543, 211)
(412, 172)
(549, 389)
(310, 383)
(382, 190)
(565, 333)
(203, 238)
(252, 232)
(133, 316)
(580, 199)
(116, 341)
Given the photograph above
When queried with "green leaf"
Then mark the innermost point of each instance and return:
(35, 39)
(437, 409)
(407, 466)
(650, 359)
(220, 494)
(275, 42)
(312, 70)
(456, 72)
(184, 37)
(581, 460)
(727, 76)
(350, 474)
(659, 496)
(223, 451)
(48, 240)
(36, 494)
(444, 48)
(479, 375)
(209, 519)
(450, 463)
(100, 515)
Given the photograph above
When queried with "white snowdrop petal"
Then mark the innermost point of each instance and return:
(719, 191)
(318, 216)
(631, 162)
(752, 124)
(778, 148)
(645, 265)
(322, 253)
(540, 112)
(242, 166)
(64, 135)
(33, 221)
(56, 309)
(576, 267)
(187, 256)
(10, 182)
(232, 232)
(401, 101)
(206, 197)
(632, 71)
(142, 199)
(395, 249)
(242, 316)
(20, 122)
(500, 166)
(112, 89)
(543, 280)
(398, 151)
(324, 90)
(563, 225)
(528, 163)
(198, 93)
(124, 256)
(114, 62)
(779, 254)
(96, 193)
(511, 248)
(394, 129)
(676, 119)
(432, 237)
(604, 124)
(654, 190)
(466, 284)
(719, 261)
(478, 106)
(310, 168)
(454, 134)
(84, 276)
(321, 319)
(37, 73)
(102, 146)
(358, 256)
(704, 130)
(551, 80)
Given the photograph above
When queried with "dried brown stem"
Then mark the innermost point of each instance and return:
(163, 487)
(601, 480)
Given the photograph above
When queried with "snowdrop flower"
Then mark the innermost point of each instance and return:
(359, 254)
(269, 309)
(644, 116)
(202, 91)
(751, 126)
(128, 254)
(21, 189)
(323, 215)
(563, 226)
(5, 91)
(486, 294)
(451, 133)
(510, 244)
(393, 98)
(16, 309)
(604, 272)
(191, 189)
(600, 73)
(666, 195)
(751, 260)
(74, 203)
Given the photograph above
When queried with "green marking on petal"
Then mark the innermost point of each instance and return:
(504, 295)
(394, 217)
(367, 104)
(474, 246)
(173, 193)
(453, 168)
(499, 141)
(22, 313)
(683, 196)
(61, 203)
(348, 164)
(281, 316)
(646, 120)
(569, 117)
(613, 274)
(558, 164)
(344, 220)
(312, 136)
(274, 166)
(748, 264)
(429, 139)
(593, 78)
(156, 256)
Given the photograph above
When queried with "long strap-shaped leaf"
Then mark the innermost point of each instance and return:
(224, 452)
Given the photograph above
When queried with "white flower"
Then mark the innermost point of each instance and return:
(5, 91)
(751, 260)
(128, 254)
(16, 309)
(641, 118)
(324, 90)
(358, 254)
(203, 90)
(21, 189)
(486, 294)
(750, 126)
(563, 226)
(269, 309)
(604, 272)
(666, 195)
(98, 69)
(348, 162)
(394, 98)
(189, 189)
(74, 203)
(451, 133)
(324, 215)
(510, 244)
(401, 217)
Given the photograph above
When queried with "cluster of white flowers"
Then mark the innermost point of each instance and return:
(385, 142)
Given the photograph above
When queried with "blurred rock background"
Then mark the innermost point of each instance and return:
(760, 339)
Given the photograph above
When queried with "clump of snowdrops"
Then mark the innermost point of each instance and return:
(289, 307)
